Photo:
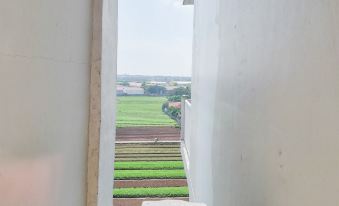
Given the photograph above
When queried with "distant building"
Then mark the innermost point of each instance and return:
(120, 92)
(157, 83)
(130, 91)
(135, 84)
(170, 90)
(183, 83)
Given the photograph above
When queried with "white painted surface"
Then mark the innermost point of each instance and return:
(44, 107)
(171, 203)
(108, 101)
(188, 126)
(266, 95)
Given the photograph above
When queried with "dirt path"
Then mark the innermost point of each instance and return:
(148, 134)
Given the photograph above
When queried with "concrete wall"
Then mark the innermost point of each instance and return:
(108, 100)
(45, 68)
(266, 76)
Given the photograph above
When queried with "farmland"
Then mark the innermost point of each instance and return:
(149, 174)
(151, 192)
(149, 165)
(148, 170)
(148, 162)
(142, 111)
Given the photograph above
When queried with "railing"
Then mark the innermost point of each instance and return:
(186, 125)
(186, 140)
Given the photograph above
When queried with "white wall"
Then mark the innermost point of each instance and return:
(45, 50)
(266, 78)
(108, 100)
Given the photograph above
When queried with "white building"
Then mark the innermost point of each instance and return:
(156, 83)
(183, 83)
(134, 91)
(135, 84)
(57, 74)
(129, 91)
(265, 95)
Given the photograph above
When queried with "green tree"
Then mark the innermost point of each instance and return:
(183, 91)
(155, 90)
(125, 84)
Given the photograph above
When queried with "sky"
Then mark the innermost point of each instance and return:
(155, 37)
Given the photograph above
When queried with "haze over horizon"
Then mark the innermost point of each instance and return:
(155, 38)
(154, 75)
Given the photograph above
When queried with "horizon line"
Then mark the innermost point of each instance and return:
(155, 75)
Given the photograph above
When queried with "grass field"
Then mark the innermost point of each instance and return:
(142, 111)
(149, 174)
(151, 192)
(167, 165)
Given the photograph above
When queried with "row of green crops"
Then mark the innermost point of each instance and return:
(149, 162)
(149, 174)
(167, 165)
(151, 192)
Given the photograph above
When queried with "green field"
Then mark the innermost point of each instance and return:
(142, 111)
(161, 165)
(151, 192)
(149, 174)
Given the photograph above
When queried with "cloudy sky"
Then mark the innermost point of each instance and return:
(155, 37)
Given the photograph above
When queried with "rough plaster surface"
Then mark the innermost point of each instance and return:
(102, 116)
(45, 71)
(95, 112)
(266, 76)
